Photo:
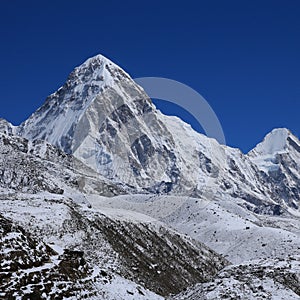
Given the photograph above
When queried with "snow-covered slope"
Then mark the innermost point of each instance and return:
(30, 269)
(143, 253)
(223, 224)
(261, 279)
(264, 249)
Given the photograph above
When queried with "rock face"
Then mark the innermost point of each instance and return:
(108, 122)
(6, 127)
(163, 261)
(20, 168)
(36, 166)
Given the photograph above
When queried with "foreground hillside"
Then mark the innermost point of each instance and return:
(59, 238)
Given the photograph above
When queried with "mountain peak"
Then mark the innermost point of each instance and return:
(96, 71)
(274, 142)
(278, 141)
(95, 63)
(63, 109)
(99, 58)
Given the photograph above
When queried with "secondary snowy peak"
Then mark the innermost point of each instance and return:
(278, 157)
(276, 141)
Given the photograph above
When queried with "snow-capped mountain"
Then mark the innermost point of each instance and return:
(108, 122)
(278, 156)
(104, 197)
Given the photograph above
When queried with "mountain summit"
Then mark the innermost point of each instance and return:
(274, 142)
(55, 121)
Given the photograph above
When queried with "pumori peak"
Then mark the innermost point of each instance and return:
(107, 121)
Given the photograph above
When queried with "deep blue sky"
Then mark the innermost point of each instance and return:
(242, 56)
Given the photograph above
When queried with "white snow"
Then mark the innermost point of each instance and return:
(222, 224)
(264, 154)
(274, 142)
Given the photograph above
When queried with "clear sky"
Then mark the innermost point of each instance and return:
(242, 56)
